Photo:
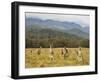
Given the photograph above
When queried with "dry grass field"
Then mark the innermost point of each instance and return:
(34, 60)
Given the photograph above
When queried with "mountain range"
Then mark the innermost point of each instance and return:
(62, 26)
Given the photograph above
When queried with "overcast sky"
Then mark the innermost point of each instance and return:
(83, 20)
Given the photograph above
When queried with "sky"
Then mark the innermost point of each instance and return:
(83, 20)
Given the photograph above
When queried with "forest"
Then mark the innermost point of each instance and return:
(36, 36)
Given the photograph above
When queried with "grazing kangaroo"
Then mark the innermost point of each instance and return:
(31, 51)
(39, 50)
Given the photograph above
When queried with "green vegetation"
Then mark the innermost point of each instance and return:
(37, 36)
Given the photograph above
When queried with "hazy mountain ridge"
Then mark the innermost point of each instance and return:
(68, 27)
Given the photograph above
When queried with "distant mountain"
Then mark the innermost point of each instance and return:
(39, 35)
(47, 32)
(69, 27)
(78, 32)
(52, 23)
(36, 36)
(86, 29)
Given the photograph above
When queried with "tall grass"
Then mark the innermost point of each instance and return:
(33, 60)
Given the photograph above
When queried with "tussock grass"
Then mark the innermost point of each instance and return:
(33, 60)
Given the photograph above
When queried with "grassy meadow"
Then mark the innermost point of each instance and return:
(33, 60)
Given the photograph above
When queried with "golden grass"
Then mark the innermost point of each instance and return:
(33, 60)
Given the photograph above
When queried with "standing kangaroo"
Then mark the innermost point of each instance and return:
(65, 52)
(79, 55)
(51, 53)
